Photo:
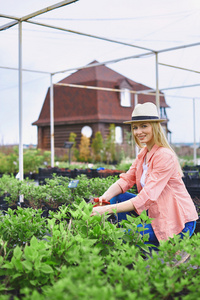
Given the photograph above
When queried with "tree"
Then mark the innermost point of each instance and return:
(110, 151)
(84, 148)
(130, 144)
(74, 150)
(97, 146)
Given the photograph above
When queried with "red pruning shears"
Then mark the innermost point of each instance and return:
(104, 202)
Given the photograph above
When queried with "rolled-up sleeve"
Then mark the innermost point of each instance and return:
(162, 169)
(128, 179)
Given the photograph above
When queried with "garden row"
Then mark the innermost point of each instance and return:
(56, 191)
(71, 255)
(67, 254)
(47, 173)
(65, 172)
(191, 176)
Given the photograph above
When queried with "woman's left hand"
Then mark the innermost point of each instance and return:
(99, 210)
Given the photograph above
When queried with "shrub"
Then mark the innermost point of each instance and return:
(97, 146)
(84, 149)
(74, 150)
(55, 192)
(17, 227)
(90, 258)
(109, 149)
(32, 159)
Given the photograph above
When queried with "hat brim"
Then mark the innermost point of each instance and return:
(146, 120)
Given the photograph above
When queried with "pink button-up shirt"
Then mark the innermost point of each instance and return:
(164, 194)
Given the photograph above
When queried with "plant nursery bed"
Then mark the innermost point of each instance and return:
(49, 258)
(90, 173)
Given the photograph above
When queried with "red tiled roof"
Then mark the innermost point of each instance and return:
(77, 105)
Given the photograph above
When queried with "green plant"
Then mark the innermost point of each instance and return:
(74, 150)
(109, 149)
(94, 187)
(28, 266)
(10, 188)
(84, 257)
(57, 191)
(33, 159)
(84, 149)
(17, 227)
(8, 163)
(35, 195)
(98, 186)
(97, 146)
(124, 165)
(129, 141)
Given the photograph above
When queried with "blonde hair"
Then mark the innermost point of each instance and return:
(159, 139)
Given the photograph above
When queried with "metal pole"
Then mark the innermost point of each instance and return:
(47, 9)
(52, 120)
(89, 35)
(157, 88)
(135, 99)
(135, 103)
(194, 130)
(8, 25)
(21, 171)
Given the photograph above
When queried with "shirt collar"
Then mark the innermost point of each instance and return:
(144, 151)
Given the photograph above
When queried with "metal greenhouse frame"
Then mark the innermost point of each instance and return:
(28, 19)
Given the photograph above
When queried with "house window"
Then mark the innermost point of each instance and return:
(86, 131)
(125, 98)
(118, 135)
(163, 114)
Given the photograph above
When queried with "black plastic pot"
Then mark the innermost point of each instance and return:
(197, 229)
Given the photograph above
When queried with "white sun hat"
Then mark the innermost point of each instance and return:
(145, 112)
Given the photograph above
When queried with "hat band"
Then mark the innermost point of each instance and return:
(145, 118)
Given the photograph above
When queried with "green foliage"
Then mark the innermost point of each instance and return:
(8, 163)
(55, 192)
(84, 149)
(35, 195)
(10, 187)
(17, 227)
(124, 166)
(83, 257)
(93, 187)
(74, 150)
(75, 256)
(72, 138)
(109, 149)
(97, 146)
(32, 159)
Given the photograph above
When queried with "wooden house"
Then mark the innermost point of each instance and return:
(84, 110)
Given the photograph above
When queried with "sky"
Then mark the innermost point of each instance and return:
(152, 25)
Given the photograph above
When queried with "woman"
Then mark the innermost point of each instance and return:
(158, 176)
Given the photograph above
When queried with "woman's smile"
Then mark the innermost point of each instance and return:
(144, 133)
(141, 137)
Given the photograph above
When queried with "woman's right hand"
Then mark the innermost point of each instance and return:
(112, 191)
(103, 198)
